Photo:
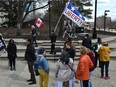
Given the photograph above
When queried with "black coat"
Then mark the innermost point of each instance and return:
(30, 53)
(53, 38)
(87, 42)
(12, 51)
(71, 52)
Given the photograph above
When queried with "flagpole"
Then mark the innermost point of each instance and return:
(58, 22)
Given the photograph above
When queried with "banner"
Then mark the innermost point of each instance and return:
(73, 14)
(39, 23)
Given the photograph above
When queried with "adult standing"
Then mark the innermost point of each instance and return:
(43, 68)
(87, 41)
(96, 48)
(70, 50)
(12, 54)
(104, 52)
(64, 71)
(34, 35)
(91, 54)
(53, 40)
(30, 57)
(84, 65)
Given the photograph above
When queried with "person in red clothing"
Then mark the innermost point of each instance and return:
(84, 65)
(91, 54)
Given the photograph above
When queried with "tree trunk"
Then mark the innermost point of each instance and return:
(19, 18)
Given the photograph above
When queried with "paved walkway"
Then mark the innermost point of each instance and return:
(18, 78)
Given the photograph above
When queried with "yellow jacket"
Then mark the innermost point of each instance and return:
(104, 53)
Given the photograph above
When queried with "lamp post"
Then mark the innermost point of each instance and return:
(105, 14)
(49, 19)
(94, 29)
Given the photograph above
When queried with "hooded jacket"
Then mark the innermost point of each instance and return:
(104, 53)
(43, 65)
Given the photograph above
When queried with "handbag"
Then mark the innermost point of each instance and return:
(37, 73)
(36, 66)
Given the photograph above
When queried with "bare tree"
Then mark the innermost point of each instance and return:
(19, 9)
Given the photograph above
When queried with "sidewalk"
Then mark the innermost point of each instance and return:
(18, 78)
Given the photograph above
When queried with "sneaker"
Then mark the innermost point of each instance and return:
(102, 77)
(107, 77)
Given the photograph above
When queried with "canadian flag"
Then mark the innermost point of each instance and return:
(39, 23)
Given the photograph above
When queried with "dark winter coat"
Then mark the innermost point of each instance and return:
(53, 38)
(34, 33)
(12, 51)
(71, 52)
(30, 53)
(87, 42)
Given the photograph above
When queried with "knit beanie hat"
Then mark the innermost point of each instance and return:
(41, 50)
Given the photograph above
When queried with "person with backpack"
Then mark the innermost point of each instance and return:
(65, 71)
(96, 48)
(91, 54)
(84, 65)
(43, 68)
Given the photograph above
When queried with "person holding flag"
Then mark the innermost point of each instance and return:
(39, 23)
(34, 35)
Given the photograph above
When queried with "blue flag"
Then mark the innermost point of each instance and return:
(73, 14)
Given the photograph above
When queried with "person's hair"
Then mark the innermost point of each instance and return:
(10, 41)
(32, 26)
(87, 35)
(64, 58)
(98, 39)
(29, 40)
(83, 50)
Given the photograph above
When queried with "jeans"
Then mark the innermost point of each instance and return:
(106, 64)
(90, 80)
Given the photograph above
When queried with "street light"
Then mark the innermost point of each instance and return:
(49, 18)
(105, 14)
(94, 29)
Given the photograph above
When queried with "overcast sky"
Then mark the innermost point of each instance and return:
(103, 5)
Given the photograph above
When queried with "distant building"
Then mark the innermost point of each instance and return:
(100, 22)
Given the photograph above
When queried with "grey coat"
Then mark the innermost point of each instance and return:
(63, 71)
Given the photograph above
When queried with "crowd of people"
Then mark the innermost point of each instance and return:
(65, 73)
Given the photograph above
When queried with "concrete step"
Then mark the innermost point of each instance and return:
(3, 55)
(48, 56)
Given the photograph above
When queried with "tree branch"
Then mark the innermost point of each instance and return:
(33, 10)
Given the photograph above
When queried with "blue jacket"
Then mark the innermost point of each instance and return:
(43, 64)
